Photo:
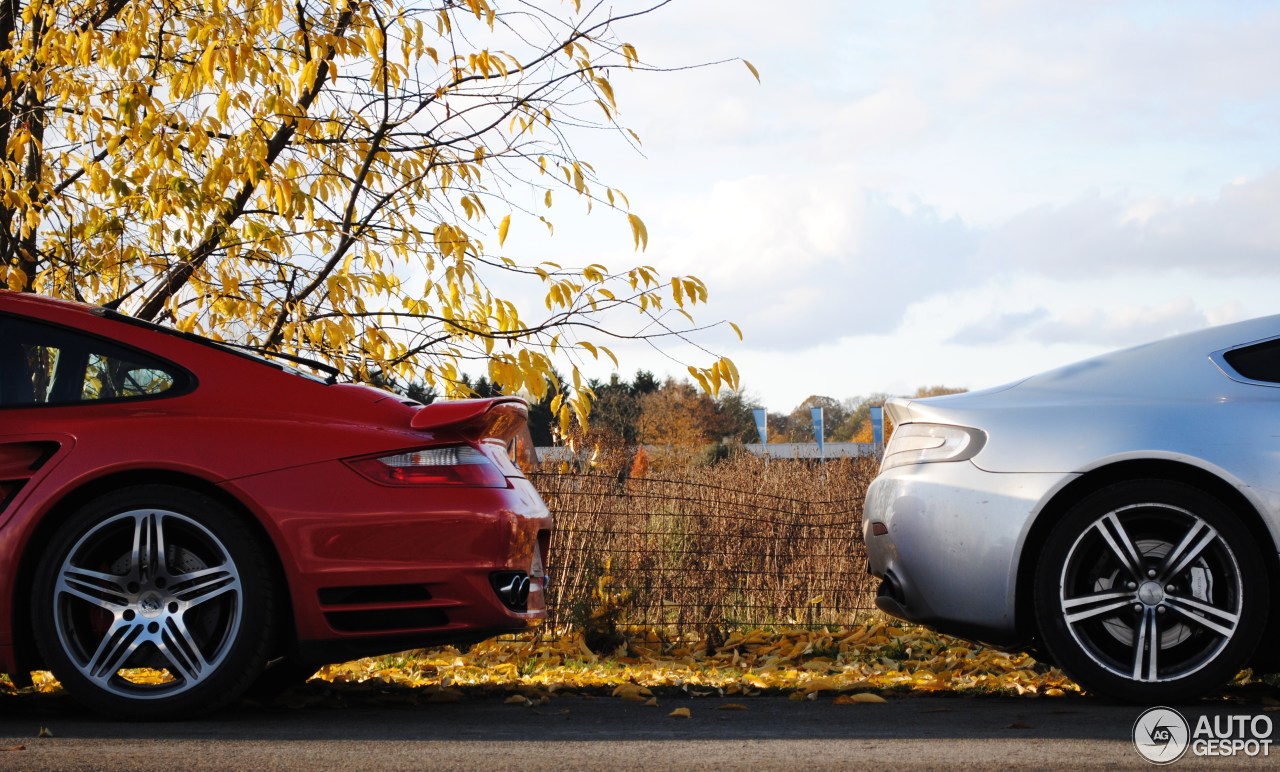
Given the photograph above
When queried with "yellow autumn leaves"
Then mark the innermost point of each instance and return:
(848, 667)
(332, 180)
(861, 666)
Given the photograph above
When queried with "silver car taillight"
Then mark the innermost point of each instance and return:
(930, 443)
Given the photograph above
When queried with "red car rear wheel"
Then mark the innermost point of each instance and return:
(154, 602)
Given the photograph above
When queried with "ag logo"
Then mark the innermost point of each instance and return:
(1161, 735)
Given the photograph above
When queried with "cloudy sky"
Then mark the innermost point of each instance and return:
(954, 193)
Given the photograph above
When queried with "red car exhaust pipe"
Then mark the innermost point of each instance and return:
(515, 592)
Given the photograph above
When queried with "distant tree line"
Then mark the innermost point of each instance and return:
(648, 411)
(847, 420)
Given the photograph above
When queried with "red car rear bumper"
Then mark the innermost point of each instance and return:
(373, 568)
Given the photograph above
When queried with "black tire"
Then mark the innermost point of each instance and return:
(1151, 591)
(139, 632)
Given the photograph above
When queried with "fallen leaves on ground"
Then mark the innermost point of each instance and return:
(855, 664)
(848, 666)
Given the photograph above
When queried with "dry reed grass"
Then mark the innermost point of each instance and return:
(698, 546)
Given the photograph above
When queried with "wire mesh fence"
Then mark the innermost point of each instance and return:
(739, 543)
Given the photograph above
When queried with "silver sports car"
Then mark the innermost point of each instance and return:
(1118, 517)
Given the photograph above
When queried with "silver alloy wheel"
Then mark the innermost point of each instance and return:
(147, 589)
(1151, 592)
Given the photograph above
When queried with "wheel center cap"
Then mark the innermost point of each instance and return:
(150, 605)
(1151, 593)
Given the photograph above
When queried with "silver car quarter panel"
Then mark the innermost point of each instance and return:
(951, 538)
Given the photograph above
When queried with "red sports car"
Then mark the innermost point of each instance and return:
(174, 510)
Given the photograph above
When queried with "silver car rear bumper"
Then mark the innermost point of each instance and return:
(946, 537)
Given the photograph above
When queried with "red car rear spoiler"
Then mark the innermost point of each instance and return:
(499, 417)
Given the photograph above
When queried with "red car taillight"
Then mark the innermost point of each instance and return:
(452, 465)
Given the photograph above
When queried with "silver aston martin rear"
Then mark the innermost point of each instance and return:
(1120, 516)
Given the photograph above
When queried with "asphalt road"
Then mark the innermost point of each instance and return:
(376, 731)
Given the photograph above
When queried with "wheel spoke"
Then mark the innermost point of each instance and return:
(1186, 608)
(1117, 538)
(120, 641)
(147, 558)
(1146, 648)
(181, 651)
(204, 585)
(1095, 605)
(100, 589)
(1199, 536)
(159, 557)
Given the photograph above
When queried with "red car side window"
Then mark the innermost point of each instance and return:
(46, 365)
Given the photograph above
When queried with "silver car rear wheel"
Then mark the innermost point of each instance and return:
(1150, 591)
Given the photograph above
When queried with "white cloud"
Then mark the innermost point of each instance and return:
(803, 261)
(893, 118)
(1000, 327)
(1102, 324)
(938, 192)
(1236, 232)
(1117, 327)
(798, 261)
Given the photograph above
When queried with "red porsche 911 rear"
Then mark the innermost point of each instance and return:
(174, 515)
